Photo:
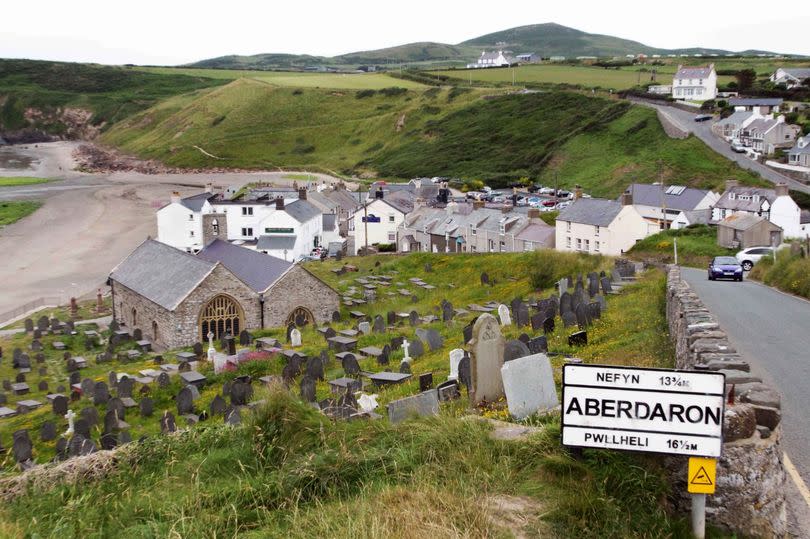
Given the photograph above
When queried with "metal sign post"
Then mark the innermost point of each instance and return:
(701, 479)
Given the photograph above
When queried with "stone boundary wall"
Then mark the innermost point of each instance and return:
(750, 496)
(670, 128)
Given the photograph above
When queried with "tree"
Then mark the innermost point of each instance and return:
(745, 78)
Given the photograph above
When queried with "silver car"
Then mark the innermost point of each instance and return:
(748, 257)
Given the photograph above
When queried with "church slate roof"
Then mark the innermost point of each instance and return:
(255, 269)
(161, 273)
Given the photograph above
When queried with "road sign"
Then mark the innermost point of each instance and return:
(651, 410)
(702, 475)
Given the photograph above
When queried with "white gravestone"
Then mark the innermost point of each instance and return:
(529, 385)
(295, 338)
(69, 416)
(487, 359)
(503, 314)
(456, 355)
(211, 350)
(405, 345)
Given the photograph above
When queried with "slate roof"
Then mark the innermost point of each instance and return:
(255, 269)
(276, 243)
(762, 125)
(591, 211)
(161, 273)
(736, 118)
(329, 221)
(538, 233)
(402, 201)
(196, 202)
(802, 146)
(699, 72)
(650, 195)
(744, 221)
(698, 217)
(755, 101)
(727, 203)
(800, 73)
(301, 210)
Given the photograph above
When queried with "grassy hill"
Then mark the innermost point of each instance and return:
(109, 93)
(290, 472)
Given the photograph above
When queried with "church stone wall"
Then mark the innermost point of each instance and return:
(146, 312)
(299, 288)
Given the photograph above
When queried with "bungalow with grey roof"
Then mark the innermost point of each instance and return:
(799, 155)
(791, 77)
(661, 204)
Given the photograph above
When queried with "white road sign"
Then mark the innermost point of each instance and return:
(654, 410)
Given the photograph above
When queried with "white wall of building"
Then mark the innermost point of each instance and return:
(695, 89)
(179, 227)
(383, 232)
(626, 229)
(787, 214)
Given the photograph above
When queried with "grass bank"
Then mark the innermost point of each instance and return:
(789, 272)
(697, 245)
(11, 212)
(20, 180)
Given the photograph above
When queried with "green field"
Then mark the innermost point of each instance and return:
(20, 180)
(11, 212)
(584, 76)
(289, 472)
(346, 81)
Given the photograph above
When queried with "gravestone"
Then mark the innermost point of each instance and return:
(167, 423)
(116, 405)
(244, 338)
(364, 328)
(600, 299)
(391, 318)
(90, 415)
(308, 389)
(137, 334)
(230, 345)
(593, 284)
(163, 380)
(468, 330)
(465, 372)
(80, 446)
(290, 371)
(185, 402)
(522, 315)
(503, 314)
(22, 448)
(295, 338)
(425, 381)
(434, 340)
(29, 325)
(48, 431)
(447, 311)
(385, 357)
(100, 393)
(335, 316)
(607, 288)
(484, 278)
(582, 314)
(36, 346)
(241, 393)
(183, 366)
(125, 386)
(423, 404)
(146, 407)
(61, 449)
(538, 345)
(43, 386)
(562, 285)
(579, 338)
(59, 405)
(379, 324)
(487, 359)
(396, 342)
(197, 350)
(405, 367)
(417, 348)
(350, 365)
(569, 319)
(514, 349)
(537, 320)
(565, 303)
(37, 333)
(413, 318)
(455, 356)
(217, 406)
(43, 371)
(82, 427)
(529, 385)
(595, 310)
(43, 323)
(233, 416)
(548, 325)
(315, 368)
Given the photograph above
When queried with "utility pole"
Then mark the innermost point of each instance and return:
(663, 193)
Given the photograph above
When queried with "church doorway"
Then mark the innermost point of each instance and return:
(221, 315)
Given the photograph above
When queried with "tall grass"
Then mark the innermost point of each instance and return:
(697, 245)
(789, 272)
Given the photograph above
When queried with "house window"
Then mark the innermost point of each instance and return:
(503, 246)
(215, 227)
(587, 245)
(248, 232)
(190, 216)
(134, 318)
(247, 210)
(596, 246)
(391, 218)
(568, 226)
(491, 246)
(579, 244)
(472, 230)
(596, 230)
(527, 246)
(190, 233)
(392, 236)
(568, 242)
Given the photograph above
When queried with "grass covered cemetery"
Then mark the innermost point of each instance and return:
(432, 290)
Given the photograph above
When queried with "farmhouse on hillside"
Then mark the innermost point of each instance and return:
(791, 77)
(493, 59)
(695, 83)
(177, 298)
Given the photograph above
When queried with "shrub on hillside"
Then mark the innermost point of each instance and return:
(393, 91)
(362, 94)
(549, 266)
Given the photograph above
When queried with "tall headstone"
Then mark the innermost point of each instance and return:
(487, 359)
(295, 337)
(503, 314)
(455, 358)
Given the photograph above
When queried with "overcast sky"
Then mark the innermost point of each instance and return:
(169, 32)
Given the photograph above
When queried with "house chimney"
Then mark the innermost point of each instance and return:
(781, 190)
(627, 199)
(302, 193)
(378, 194)
(279, 203)
(534, 213)
(209, 188)
(731, 184)
(175, 197)
(478, 204)
(577, 192)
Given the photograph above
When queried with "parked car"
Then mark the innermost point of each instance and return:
(549, 203)
(748, 257)
(703, 117)
(562, 205)
(546, 191)
(737, 147)
(725, 267)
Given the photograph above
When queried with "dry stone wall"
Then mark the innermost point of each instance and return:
(750, 496)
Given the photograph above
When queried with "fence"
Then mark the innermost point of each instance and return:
(51, 301)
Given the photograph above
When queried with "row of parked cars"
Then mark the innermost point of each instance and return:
(733, 267)
(543, 198)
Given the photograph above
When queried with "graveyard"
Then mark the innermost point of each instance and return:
(278, 434)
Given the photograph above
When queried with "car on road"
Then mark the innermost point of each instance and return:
(703, 117)
(737, 147)
(748, 257)
(725, 267)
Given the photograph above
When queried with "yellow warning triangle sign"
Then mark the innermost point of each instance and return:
(701, 477)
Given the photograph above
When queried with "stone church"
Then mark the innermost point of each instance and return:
(177, 298)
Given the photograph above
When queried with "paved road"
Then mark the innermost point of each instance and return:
(703, 130)
(772, 331)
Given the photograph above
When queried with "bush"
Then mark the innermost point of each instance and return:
(549, 266)
(362, 94)
(393, 91)
(788, 272)
(386, 247)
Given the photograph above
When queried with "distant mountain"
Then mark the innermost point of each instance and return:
(549, 39)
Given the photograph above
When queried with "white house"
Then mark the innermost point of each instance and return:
(791, 77)
(493, 59)
(695, 83)
(377, 221)
(775, 205)
(180, 222)
(731, 127)
(660, 205)
(799, 155)
(601, 226)
(291, 231)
